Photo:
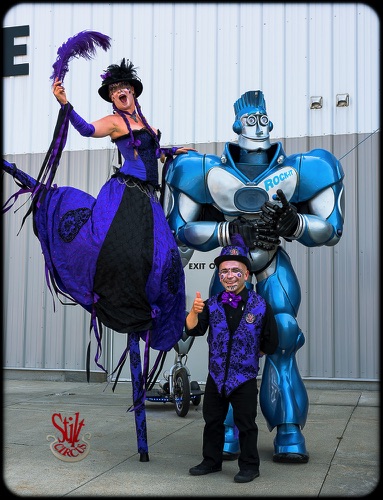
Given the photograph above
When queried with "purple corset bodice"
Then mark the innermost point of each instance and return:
(145, 165)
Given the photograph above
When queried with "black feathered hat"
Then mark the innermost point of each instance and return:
(125, 72)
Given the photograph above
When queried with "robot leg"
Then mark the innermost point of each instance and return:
(231, 446)
(283, 396)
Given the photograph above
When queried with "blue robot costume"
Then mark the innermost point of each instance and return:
(256, 190)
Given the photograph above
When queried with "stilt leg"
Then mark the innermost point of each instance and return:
(138, 395)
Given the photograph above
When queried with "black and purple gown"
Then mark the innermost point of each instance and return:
(116, 256)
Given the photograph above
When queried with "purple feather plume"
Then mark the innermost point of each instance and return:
(237, 241)
(81, 45)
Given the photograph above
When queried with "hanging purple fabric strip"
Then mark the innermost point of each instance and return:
(58, 147)
(48, 282)
(146, 360)
(14, 198)
(150, 382)
(121, 360)
(98, 338)
(52, 158)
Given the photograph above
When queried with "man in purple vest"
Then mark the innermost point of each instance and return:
(242, 328)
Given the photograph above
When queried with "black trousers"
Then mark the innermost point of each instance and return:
(215, 407)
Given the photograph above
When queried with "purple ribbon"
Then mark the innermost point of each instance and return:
(231, 298)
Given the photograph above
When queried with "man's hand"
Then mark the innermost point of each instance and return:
(197, 307)
(284, 219)
(198, 303)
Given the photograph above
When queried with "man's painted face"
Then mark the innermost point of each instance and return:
(232, 275)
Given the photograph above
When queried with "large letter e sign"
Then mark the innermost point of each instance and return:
(10, 51)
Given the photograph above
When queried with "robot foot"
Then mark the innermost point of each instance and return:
(229, 456)
(230, 448)
(291, 458)
(289, 445)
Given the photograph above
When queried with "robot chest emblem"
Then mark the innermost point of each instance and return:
(250, 199)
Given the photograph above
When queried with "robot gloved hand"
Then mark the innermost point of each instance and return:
(283, 218)
(255, 233)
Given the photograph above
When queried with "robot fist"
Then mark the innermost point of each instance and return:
(264, 236)
(243, 227)
(255, 233)
(283, 218)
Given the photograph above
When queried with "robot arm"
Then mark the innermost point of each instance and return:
(184, 200)
(183, 217)
(320, 223)
(320, 202)
(192, 232)
(323, 224)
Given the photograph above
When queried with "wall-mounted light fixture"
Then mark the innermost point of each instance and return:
(342, 100)
(316, 102)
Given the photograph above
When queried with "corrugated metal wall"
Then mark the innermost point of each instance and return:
(195, 60)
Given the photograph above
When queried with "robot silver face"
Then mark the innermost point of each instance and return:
(252, 123)
(255, 131)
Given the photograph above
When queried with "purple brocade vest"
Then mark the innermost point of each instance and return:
(234, 358)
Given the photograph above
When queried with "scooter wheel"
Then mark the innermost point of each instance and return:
(181, 392)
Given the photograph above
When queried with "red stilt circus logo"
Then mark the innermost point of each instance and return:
(69, 446)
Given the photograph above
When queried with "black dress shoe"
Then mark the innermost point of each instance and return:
(246, 475)
(202, 469)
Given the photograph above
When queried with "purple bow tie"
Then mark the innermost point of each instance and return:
(231, 298)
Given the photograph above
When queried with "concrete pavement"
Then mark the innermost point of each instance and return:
(342, 437)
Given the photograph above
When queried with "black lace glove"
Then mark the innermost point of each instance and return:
(283, 218)
(255, 233)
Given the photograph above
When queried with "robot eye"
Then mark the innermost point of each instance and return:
(251, 120)
(263, 120)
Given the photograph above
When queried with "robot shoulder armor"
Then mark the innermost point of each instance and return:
(318, 169)
(189, 169)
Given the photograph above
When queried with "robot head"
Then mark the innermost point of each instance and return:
(251, 121)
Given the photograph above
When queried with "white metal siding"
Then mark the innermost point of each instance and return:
(195, 60)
